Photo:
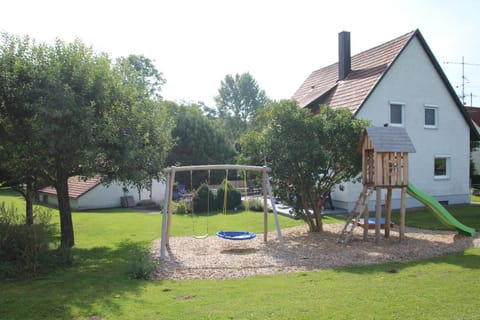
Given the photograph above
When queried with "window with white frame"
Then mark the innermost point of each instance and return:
(397, 114)
(441, 167)
(431, 117)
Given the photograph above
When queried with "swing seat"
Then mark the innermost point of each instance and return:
(236, 235)
(202, 236)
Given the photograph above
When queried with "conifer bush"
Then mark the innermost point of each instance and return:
(234, 196)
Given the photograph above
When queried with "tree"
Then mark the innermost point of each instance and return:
(135, 134)
(18, 93)
(309, 154)
(92, 116)
(239, 99)
(147, 75)
(197, 141)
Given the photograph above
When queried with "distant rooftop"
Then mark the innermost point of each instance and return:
(77, 186)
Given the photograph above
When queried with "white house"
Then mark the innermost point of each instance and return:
(400, 83)
(93, 194)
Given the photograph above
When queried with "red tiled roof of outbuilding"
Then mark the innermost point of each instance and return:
(77, 186)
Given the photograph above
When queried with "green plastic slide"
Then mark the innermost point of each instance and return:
(439, 211)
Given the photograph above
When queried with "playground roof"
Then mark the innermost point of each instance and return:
(388, 139)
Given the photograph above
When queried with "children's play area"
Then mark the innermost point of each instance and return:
(385, 166)
(357, 241)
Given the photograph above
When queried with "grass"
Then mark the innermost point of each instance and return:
(96, 286)
(468, 215)
(474, 198)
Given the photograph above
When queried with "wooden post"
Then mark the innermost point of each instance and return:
(402, 213)
(388, 212)
(378, 214)
(365, 214)
(275, 215)
(265, 206)
(163, 243)
(169, 209)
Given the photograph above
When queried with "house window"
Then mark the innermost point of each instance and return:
(431, 117)
(441, 167)
(397, 114)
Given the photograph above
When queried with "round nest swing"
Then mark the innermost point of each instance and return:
(236, 235)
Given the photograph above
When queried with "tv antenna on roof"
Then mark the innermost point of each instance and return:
(463, 63)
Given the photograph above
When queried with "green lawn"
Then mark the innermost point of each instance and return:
(468, 215)
(96, 286)
(475, 198)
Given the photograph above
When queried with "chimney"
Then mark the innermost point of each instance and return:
(344, 58)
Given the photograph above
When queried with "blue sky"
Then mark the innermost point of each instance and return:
(196, 43)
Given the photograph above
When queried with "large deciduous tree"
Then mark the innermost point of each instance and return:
(18, 92)
(91, 116)
(309, 154)
(239, 99)
(197, 141)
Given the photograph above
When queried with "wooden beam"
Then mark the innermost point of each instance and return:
(405, 169)
(275, 215)
(388, 212)
(365, 215)
(169, 208)
(378, 214)
(163, 243)
(402, 213)
(265, 206)
(217, 167)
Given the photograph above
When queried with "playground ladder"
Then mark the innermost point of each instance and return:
(355, 215)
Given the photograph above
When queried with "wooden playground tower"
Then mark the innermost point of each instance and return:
(384, 166)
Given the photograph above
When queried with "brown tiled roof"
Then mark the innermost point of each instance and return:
(367, 69)
(77, 186)
(474, 114)
(323, 87)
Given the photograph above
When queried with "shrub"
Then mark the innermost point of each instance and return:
(254, 205)
(204, 199)
(181, 207)
(24, 248)
(234, 197)
(141, 266)
(10, 215)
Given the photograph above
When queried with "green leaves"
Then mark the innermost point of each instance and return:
(66, 110)
(238, 101)
(198, 140)
(309, 154)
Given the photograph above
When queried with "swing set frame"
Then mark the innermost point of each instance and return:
(170, 181)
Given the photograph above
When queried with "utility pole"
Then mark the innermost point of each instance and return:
(463, 63)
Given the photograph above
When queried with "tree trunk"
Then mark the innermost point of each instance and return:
(315, 222)
(29, 196)
(28, 193)
(317, 211)
(66, 224)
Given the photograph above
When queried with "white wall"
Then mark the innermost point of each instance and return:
(104, 196)
(412, 80)
(108, 196)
